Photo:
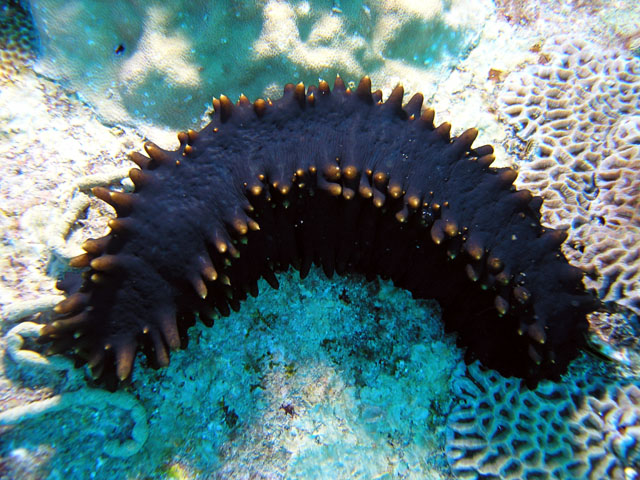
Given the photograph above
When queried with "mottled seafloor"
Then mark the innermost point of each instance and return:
(320, 379)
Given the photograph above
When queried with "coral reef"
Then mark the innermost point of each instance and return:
(579, 113)
(582, 428)
(156, 61)
(18, 40)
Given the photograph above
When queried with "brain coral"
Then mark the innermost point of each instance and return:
(582, 428)
(579, 112)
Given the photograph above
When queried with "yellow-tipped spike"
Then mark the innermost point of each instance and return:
(253, 225)
(169, 329)
(137, 177)
(364, 88)
(486, 160)
(332, 172)
(95, 358)
(495, 264)
(451, 228)
(395, 98)
(209, 273)
(536, 333)
(80, 261)
(125, 355)
(71, 304)
(401, 216)
(96, 246)
(284, 189)
(395, 190)
(323, 87)
(142, 161)
(221, 246)
(464, 141)
(502, 306)
(380, 179)
(67, 325)
(365, 192)
(192, 135)
(471, 273)
(350, 172)
(299, 94)
(503, 278)
(427, 116)
(474, 249)
(105, 263)
(437, 232)
(98, 278)
(444, 130)
(334, 189)
(521, 294)
(240, 226)
(378, 199)
(260, 106)
(413, 201)
(348, 193)
(534, 355)
(507, 176)
(226, 108)
(156, 153)
(199, 286)
(119, 225)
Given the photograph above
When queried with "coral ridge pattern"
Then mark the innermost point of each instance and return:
(579, 111)
(588, 428)
(333, 177)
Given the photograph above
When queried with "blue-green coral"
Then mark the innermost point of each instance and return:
(161, 62)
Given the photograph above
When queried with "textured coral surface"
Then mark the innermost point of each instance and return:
(580, 115)
(17, 39)
(586, 427)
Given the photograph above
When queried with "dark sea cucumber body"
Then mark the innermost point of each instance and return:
(341, 179)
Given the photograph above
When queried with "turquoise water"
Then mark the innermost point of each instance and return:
(335, 379)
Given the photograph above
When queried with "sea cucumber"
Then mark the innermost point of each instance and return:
(337, 178)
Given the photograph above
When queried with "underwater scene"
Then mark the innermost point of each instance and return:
(316, 239)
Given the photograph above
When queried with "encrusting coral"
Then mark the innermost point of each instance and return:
(582, 428)
(579, 111)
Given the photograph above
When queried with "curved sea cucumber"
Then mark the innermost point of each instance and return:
(341, 179)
